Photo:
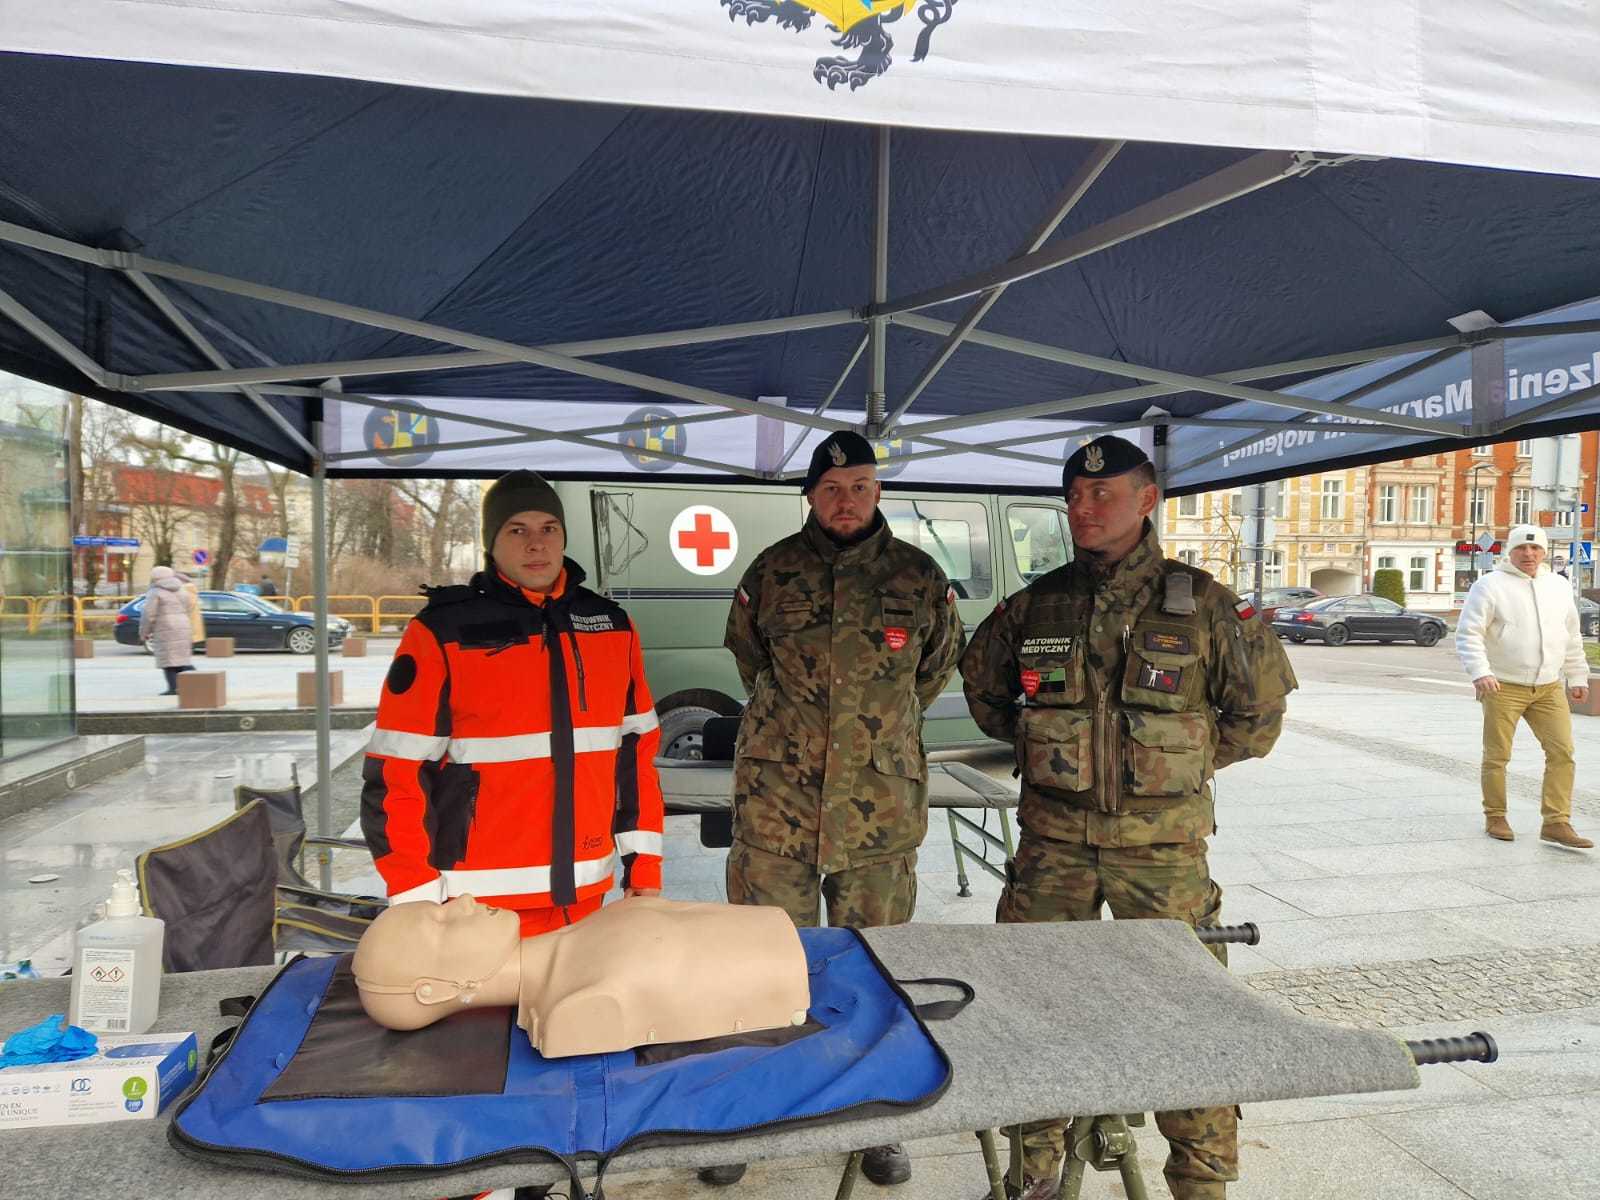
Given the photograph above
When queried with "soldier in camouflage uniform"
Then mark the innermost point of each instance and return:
(844, 635)
(1138, 677)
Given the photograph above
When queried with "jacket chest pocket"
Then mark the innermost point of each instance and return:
(1167, 753)
(1056, 749)
(1163, 670)
(796, 629)
(1051, 669)
(901, 624)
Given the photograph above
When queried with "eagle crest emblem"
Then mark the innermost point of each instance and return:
(859, 25)
(835, 453)
(1094, 460)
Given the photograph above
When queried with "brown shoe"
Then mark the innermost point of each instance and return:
(1564, 834)
(1494, 824)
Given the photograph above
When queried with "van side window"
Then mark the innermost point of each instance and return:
(954, 533)
(1039, 540)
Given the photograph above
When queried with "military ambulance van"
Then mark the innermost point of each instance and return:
(672, 555)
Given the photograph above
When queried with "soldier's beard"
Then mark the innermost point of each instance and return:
(860, 534)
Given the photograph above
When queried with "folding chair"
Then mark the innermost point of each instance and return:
(308, 918)
(216, 891)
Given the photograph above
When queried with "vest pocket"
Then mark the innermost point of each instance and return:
(1057, 748)
(1159, 680)
(1167, 753)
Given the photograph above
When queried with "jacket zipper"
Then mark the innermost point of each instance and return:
(1538, 625)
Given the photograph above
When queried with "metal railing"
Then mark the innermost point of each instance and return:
(88, 614)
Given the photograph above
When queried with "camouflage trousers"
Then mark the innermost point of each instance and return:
(1051, 880)
(882, 894)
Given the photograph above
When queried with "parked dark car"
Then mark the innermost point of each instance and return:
(252, 622)
(1340, 619)
(1588, 617)
(1272, 599)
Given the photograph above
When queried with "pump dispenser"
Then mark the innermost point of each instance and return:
(116, 965)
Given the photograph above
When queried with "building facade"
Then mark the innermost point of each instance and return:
(1334, 530)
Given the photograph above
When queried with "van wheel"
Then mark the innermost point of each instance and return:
(682, 732)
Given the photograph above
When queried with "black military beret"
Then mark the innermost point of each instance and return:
(843, 449)
(1103, 458)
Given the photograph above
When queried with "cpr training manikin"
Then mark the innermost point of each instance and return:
(643, 970)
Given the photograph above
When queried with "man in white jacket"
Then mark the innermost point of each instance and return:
(1519, 641)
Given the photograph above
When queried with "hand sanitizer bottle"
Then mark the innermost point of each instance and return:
(116, 966)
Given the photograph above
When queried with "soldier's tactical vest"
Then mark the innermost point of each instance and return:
(1143, 744)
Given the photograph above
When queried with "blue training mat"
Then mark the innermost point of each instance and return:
(865, 1050)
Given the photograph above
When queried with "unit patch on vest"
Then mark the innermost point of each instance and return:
(1160, 679)
(1030, 683)
(894, 637)
(1046, 645)
(1171, 643)
(596, 624)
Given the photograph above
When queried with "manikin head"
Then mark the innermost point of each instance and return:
(1110, 488)
(418, 963)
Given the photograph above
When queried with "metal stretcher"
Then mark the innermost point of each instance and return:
(1069, 1020)
(705, 788)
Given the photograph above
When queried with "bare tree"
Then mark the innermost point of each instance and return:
(98, 437)
(442, 503)
(224, 461)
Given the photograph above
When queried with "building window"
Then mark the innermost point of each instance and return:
(1388, 504)
(1478, 506)
(1188, 506)
(1419, 581)
(1482, 451)
(1525, 448)
(1386, 562)
(1277, 497)
(1521, 501)
(1272, 568)
(1189, 558)
(1422, 505)
(1564, 517)
(1332, 499)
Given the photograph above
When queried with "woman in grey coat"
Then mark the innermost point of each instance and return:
(166, 621)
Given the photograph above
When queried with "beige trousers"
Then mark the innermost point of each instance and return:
(1545, 710)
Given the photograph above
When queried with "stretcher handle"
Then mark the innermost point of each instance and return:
(1475, 1047)
(941, 1010)
(1247, 934)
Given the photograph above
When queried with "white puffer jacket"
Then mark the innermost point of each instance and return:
(1522, 629)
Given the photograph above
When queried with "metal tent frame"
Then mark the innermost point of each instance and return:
(885, 415)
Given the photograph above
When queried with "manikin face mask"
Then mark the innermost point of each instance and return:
(641, 971)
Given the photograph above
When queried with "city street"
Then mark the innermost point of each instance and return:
(1357, 846)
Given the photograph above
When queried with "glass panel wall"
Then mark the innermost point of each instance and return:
(36, 698)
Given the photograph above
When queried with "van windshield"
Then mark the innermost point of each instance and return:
(954, 533)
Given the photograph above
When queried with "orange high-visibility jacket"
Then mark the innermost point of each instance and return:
(513, 757)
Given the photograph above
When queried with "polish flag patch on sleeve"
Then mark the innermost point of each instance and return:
(1245, 609)
(743, 596)
(950, 594)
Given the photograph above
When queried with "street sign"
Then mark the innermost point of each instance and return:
(1585, 552)
(1269, 532)
(1485, 561)
(291, 560)
(1485, 540)
(114, 543)
(202, 557)
(291, 547)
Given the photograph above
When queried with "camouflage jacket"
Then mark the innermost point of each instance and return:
(841, 649)
(1121, 710)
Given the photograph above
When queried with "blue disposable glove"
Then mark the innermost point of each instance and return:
(51, 1040)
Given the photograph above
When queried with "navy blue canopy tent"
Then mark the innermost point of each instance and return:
(690, 237)
(325, 266)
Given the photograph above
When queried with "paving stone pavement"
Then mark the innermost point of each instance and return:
(1389, 994)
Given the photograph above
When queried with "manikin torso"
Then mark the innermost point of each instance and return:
(639, 971)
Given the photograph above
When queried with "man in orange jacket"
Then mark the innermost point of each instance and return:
(513, 757)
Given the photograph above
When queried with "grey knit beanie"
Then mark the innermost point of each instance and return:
(518, 491)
